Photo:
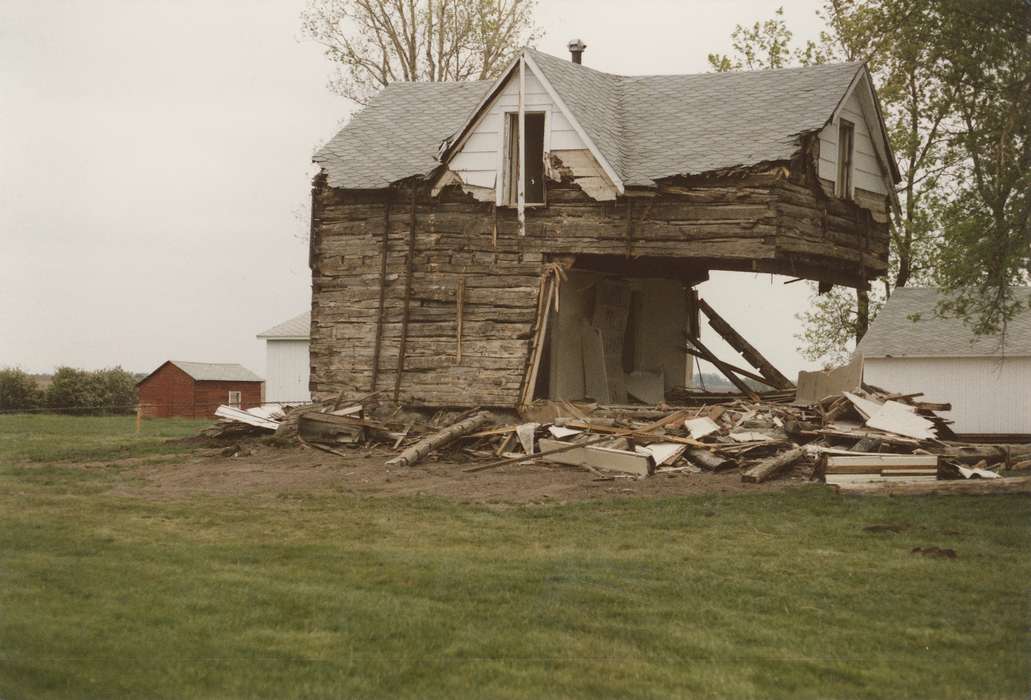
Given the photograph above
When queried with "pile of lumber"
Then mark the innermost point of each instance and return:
(875, 468)
(854, 440)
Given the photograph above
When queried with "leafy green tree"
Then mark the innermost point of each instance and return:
(986, 245)
(81, 392)
(18, 390)
(893, 38)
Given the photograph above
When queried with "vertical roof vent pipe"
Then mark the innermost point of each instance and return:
(576, 50)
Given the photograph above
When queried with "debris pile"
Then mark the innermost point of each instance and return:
(856, 440)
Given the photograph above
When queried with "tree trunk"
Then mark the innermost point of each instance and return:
(862, 313)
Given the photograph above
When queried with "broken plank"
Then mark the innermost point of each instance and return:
(598, 457)
(974, 487)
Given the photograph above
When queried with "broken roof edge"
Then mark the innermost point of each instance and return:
(437, 164)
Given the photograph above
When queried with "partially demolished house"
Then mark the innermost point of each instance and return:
(538, 236)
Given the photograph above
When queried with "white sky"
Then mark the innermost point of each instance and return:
(155, 168)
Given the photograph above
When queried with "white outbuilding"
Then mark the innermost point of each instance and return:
(987, 379)
(286, 360)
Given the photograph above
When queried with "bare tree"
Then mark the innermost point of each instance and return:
(377, 42)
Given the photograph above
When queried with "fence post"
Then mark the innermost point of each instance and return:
(139, 417)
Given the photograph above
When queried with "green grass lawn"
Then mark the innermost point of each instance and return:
(51, 438)
(746, 596)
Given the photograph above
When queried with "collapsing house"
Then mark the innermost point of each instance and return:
(539, 236)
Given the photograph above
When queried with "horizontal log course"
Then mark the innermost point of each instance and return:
(762, 222)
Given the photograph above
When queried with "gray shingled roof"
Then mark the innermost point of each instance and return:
(646, 127)
(398, 134)
(894, 334)
(217, 372)
(297, 327)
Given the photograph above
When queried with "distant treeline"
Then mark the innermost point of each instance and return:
(69, 390)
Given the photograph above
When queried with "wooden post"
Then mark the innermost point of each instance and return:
(521, 186)
(139, 417)
(408, 299)
(548, 290)
(382, 292)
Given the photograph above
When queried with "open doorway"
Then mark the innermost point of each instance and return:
(616, 339)
(533, 178)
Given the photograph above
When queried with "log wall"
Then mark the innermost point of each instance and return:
(768, 222)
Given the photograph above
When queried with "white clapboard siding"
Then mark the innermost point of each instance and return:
(286, 371)
(988, 394)
(478, 160)
(867, 171)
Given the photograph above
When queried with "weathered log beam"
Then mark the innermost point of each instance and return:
(440, 438)
(769, 468)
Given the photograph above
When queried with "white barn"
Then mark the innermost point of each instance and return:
(987, 381)
(286, 360)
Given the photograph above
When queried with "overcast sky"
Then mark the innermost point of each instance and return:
(155, 163)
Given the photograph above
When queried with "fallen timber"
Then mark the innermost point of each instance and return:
(762, 440)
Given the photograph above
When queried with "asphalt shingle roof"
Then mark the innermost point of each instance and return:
(646, 127)
(397, 135)
(297, 327)
(217, 372)
(894, 334)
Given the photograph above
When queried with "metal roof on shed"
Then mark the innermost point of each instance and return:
(216, 372)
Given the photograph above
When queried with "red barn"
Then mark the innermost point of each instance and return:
(195, 389)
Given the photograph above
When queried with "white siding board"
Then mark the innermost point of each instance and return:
(479, 158)
(867, 171)
(286, 371)
(988, 394)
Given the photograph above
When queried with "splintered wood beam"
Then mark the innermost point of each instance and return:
(751, 355)
(707, 355)
(733, 368)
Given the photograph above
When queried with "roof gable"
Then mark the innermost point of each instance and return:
(640, 129)
(894, 333)
(209, 372)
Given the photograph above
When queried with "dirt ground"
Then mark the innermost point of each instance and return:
(273, 471)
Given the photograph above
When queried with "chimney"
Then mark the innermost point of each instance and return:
(576, 49)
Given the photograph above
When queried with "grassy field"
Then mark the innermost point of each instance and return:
(53, 438)
(747, 596)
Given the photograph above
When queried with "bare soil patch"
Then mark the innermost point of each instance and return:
(273, 471)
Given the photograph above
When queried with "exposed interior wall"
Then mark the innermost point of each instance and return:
(613, 325)
(988, 395)
(286, 371)
(868, 173)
